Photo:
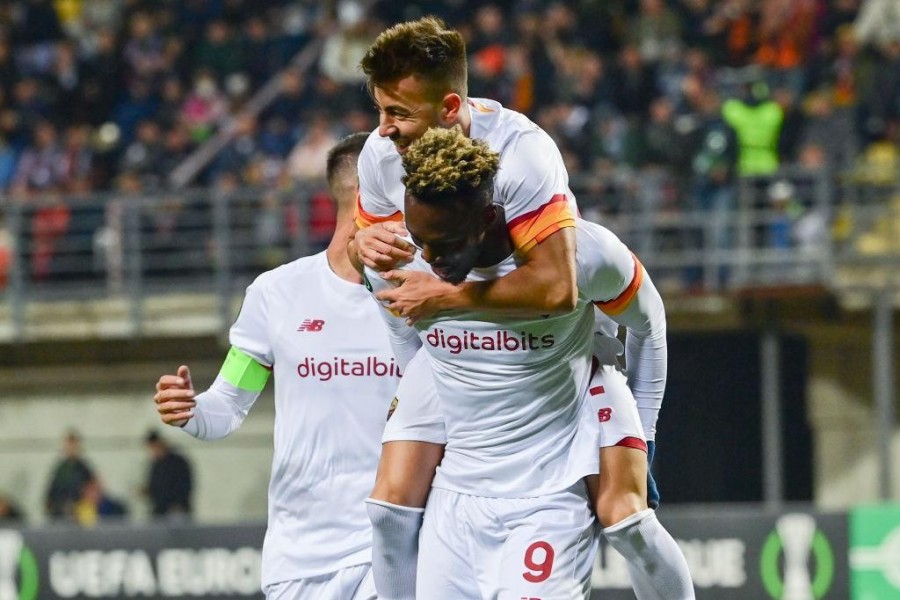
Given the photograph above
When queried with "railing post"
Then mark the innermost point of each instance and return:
(221, 207)
(883, 386)
(134, 264)
(744, 233)
(770, 386)
(301, 197)
(17, 269)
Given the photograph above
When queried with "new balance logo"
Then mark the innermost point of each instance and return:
(311, 325)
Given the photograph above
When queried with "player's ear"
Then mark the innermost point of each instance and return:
(450, 106)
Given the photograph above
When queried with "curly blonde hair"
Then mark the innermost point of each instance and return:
(445, 165)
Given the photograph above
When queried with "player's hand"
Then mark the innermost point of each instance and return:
(381, 246)
(175, 397)
(417, 296)
(652, 489)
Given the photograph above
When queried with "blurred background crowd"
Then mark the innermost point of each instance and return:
(75, 491)
(656, 104)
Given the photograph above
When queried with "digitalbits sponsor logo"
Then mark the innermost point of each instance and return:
(18, 568)
(492, 341)
(808, 560)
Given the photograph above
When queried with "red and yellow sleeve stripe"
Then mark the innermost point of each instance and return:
(534, 227)
(364, 219)
(617, 305)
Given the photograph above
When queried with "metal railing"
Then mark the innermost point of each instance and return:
(134, 248)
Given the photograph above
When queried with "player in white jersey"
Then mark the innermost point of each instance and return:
(444, 169)
(312, 325)
(417, 76)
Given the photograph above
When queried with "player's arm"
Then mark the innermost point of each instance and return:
(533, 186)
(544, 283)
(375, 243)
(623, 291)
(405, 342)
(221, 409)
(646, 354)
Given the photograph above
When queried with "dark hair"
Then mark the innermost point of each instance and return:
(445, 165)
(344, 154)
(425, 48)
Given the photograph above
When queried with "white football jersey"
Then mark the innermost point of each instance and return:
(512, 391)
(335, 377)
(532, 184)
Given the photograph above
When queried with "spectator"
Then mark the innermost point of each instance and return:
(219, 52)
(345, 47)
(143, 53)
(69, 475)
(170, 482)
(9, 512)
(655, 31)
(878, 22)
(756, 120)
(307, 160)
(8, 159)
(204, 108)
(95, 505)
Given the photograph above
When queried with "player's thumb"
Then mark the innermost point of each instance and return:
(394, 275)
(185, 373)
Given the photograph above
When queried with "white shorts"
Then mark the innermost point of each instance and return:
(350, 583)
(416, 412)
(611, 400)
(473, 547)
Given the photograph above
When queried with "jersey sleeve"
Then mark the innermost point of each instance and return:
(533, 186)
(608, 273)
(250, 331)
(618, 284)
(404, 340)
(372, 204)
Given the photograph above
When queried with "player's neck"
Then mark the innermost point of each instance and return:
(464, 118)
(336, 252)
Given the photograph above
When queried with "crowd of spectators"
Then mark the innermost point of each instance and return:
(76, 494)
(658, 105)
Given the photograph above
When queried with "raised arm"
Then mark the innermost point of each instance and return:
(646, 354)
(622, 289)
(221, 409)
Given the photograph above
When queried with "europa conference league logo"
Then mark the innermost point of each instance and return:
(15, 558)
(796, 537)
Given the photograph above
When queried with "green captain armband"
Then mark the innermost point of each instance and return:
(242, 371)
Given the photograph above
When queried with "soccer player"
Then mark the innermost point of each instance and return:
(505, 389)
(312, 325)
(417, 77)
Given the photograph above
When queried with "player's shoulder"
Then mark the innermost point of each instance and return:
(377, 149)
(288, 273)
(498, 125)
(593, 241)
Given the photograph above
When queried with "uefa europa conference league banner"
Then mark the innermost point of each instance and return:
(734, 554)
(164, 561)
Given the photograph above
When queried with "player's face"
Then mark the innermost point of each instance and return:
(449, 242)
(406, 111)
